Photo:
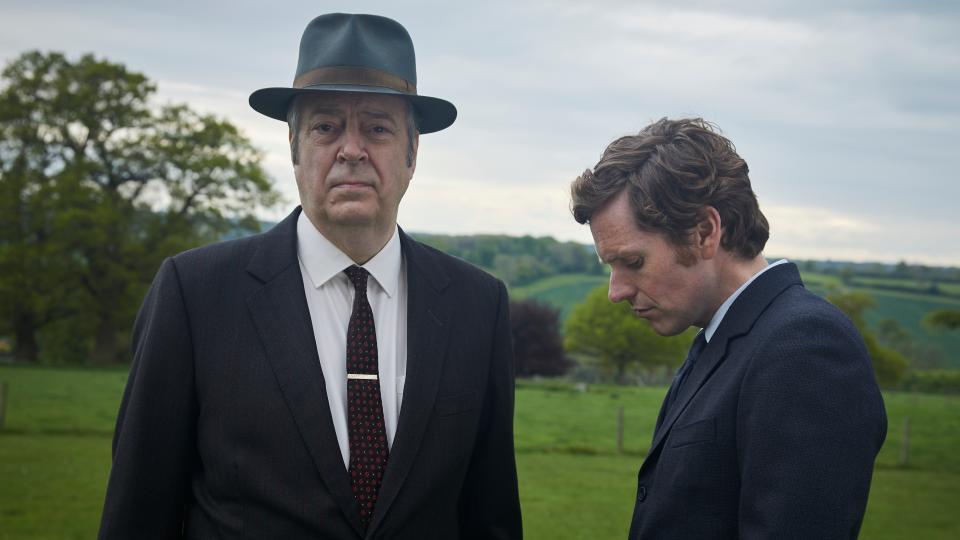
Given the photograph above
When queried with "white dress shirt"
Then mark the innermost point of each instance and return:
(330, 300)
(718, 316)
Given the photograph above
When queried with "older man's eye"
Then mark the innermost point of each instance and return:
(635, 264)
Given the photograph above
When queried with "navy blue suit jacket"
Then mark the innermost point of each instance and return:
(224, 430)
(775, 430)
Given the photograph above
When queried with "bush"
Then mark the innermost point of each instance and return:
(618, 342)
(66, 341)
(537, 346)
(941, 381)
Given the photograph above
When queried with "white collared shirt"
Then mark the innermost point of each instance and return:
(725, 306)
(330, 300)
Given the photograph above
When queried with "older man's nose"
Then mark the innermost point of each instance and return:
(353, 148)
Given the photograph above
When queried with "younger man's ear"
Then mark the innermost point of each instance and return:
(709, 233)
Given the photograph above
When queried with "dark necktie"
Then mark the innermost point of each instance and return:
(699, 343)
(696, 348)
(368, 437)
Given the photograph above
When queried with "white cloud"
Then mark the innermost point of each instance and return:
(804, 232)
(848, 112)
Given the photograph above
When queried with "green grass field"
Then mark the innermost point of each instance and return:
(55, 451)
(55, 454)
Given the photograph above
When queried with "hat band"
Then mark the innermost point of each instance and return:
(361, 76)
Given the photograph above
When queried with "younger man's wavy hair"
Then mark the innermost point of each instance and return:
(671, 171)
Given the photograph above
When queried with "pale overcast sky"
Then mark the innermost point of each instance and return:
(848, 113)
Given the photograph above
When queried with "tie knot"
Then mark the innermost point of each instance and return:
(699, 343)
(358, 276)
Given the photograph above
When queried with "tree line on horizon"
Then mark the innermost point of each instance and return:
(518, 260)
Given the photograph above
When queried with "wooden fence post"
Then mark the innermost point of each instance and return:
(3, 402)
(905, 442)
(620, 430)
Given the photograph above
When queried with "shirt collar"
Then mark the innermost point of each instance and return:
(323, 261)
(725, 306)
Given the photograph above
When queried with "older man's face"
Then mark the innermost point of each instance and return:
(352, 169)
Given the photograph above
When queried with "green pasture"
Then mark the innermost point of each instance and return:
(55, 454)
(820, 282)
(907, 308)
(561, 290)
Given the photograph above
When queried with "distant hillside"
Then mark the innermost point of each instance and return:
(562, 290)
(570, 257)
(518, 260)
(900, 270)
(562, 273)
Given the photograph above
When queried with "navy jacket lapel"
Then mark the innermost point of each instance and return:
(428, 329)
(282, 318)
(741, 316)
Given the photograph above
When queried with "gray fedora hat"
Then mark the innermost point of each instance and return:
(341, 52)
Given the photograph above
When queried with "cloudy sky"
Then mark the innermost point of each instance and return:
(848, 113)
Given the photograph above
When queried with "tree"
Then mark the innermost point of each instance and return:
(946, 319)
(847, 274)
(537, 346)
(922, 355)
(853, 305)
(613, 336)
(889, 365)
(96, 188)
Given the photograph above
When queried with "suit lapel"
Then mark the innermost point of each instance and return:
(428, 329)
(280, 313)
(741, 316)
(709, 359)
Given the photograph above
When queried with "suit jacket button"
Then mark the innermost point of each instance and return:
(641, 493)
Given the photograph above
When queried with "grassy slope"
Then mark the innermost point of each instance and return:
(54, 459)
(563, 290)
(906, 308)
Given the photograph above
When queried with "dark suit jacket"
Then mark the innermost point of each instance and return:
(774, 432)
(224, 430)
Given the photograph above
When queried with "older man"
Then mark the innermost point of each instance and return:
(331, 378)
(771, 427)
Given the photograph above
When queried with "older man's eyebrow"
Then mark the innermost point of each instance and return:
(335, 110)
(378, 114)
(325, 109)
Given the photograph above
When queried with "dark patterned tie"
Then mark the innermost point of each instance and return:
(368, 437)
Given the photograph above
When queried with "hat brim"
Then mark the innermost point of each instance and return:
(434, 113)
